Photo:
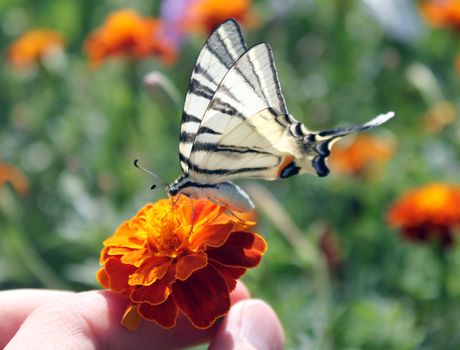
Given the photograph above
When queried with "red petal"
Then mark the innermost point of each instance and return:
(164, 314)
(189, 264)
(103, 278)
(156, 293)
(242, 249)
(230, 274)
(209, 236)
(203, 297)
(118, 274)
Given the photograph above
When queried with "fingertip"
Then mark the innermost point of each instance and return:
(240, 292)
(250, 324)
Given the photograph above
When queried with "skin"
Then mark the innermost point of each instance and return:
(46, 319)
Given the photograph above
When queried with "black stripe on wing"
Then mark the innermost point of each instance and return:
(189, 118)
(197, 88)
(223, 171)
(212, 147)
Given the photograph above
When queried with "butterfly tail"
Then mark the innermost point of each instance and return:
(323, 141)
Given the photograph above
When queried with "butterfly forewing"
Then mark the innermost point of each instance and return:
(223, 48)
(249, 87)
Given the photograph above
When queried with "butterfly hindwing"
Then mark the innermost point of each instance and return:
(223, 48)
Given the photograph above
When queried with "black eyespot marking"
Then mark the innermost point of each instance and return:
(310, 138)
(323, 148)
(319, 163)
(290, 170)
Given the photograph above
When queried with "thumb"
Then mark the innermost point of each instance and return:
(250, 325)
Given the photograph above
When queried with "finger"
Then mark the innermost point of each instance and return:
(17, 305)
(250, 324)
(91, 320)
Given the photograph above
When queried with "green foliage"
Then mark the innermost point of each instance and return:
(74, 132)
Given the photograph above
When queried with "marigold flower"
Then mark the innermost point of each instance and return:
(360, 156)
(33, 45)
(126, 33)
(175, 256)
(9, 173)
(428, 213)
(441, 13)
(206, 15)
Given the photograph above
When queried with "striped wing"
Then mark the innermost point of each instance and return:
(220, 52)
(250, 86)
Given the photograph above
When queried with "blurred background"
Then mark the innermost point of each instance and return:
(363, 259)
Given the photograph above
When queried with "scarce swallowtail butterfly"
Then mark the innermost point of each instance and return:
(235, 124)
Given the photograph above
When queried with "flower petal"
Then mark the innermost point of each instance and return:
(117, 275)
(155, 293)
(131, 257)
(210, 236)
(125, 236)
(203, 297)
(131, 319)
(152, 270)
(103, 278)
(165, 314)
(189, 264)
(242, 249)
(230, 274)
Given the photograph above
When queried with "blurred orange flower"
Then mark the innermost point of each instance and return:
(441, 13)
(361, 155)
(9, 173)
(126, 33)
(179, 257)
(206, 15)
(428, 213)
(32, 46)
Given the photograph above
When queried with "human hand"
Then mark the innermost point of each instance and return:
(45, 319)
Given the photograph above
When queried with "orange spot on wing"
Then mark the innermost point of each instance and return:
(286, 161)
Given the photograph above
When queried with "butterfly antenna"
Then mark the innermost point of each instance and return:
(163, 182)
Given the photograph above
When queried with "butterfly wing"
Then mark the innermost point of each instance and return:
(247, 131)
(218, 55)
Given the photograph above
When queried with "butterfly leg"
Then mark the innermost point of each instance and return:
(227, 209)
(192, 215)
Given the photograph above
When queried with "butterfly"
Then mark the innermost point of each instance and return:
(235, 124)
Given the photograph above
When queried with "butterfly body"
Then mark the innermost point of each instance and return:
(224, 193)
(235, 124)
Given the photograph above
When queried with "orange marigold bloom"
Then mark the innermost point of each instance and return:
(206, 15)
(9, 173)
(32, 46)
(126, 33)
(441, 13)
(361, 155)
(179, 257)
(430, 212)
